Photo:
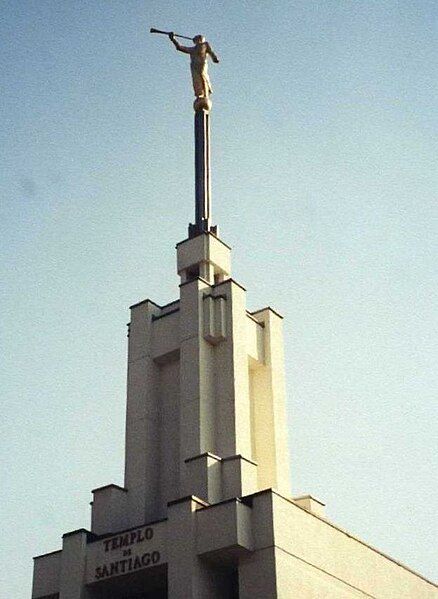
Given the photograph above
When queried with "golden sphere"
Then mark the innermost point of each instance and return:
(202, 104)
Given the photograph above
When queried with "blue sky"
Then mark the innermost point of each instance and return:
(324, 183)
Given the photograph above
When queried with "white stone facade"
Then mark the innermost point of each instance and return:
(205, 511)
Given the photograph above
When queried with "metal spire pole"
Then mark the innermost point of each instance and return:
(202, 171)
(202, 224)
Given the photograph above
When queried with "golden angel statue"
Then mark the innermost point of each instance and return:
(198, 63)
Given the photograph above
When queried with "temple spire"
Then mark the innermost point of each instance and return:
(199, 54)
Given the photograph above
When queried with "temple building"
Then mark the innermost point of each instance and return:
(206, 509)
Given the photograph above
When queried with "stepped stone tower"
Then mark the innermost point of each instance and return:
(206, 510)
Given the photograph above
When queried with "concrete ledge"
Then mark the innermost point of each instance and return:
(225, 528)
(238, 456)
(205, 233)
(145, 301)
(265, 309)
(195, 279)
(110, 486)
(79, 531)
(206, 454)
(310, 504)
(149, 301)
(229, 281)
(188, 498)
(43, 555)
